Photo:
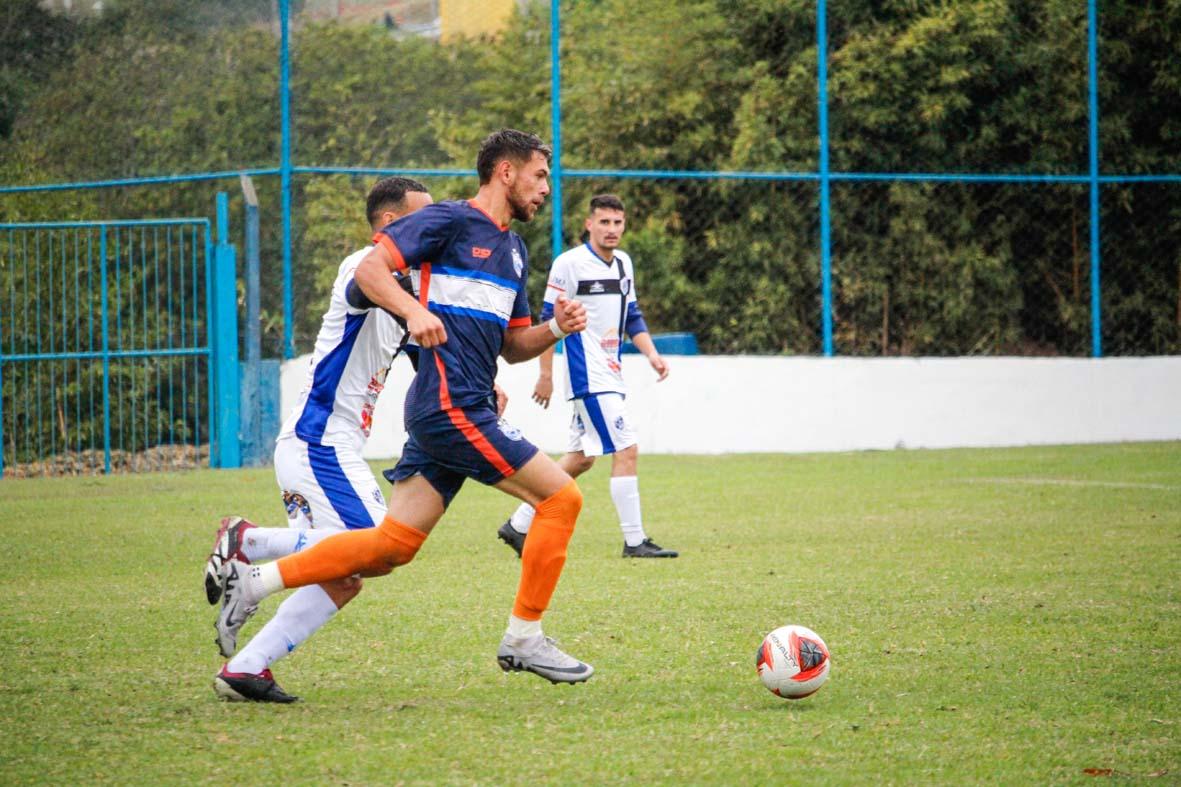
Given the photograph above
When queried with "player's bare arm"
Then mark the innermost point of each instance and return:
(544, 390)
(374, 279)
(643, 342)
(523, 344)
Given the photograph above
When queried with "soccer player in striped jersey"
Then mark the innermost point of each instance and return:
(601, 276)
(470, 272)
(326, 486)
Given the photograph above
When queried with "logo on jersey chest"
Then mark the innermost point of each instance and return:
(480, 253)
(604, 286)
(518, 263)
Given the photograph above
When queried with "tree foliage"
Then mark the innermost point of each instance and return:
(929, 267)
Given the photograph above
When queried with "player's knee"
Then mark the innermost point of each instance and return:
(400, 543)
(395, 558)
(583, 463)
(565, 504)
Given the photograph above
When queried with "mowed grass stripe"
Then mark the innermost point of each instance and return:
(980, 632)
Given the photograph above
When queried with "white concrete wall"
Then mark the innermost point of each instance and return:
(714, 404)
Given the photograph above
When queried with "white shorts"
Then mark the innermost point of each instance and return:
(600, 425)
(325, 487)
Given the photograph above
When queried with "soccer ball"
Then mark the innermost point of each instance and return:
(793, 662)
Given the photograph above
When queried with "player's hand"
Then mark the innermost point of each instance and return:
(543, 391)
(571, 315)
(659, 366)
(425, 328)
(501, 399)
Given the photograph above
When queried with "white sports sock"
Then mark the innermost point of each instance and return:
(298, 617)
(522, 518)
(263, 581)
(519, 628)
(625, 493)
(269, 543)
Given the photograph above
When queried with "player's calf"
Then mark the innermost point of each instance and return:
(342, 591)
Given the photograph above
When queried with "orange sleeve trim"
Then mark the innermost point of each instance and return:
(388, 243)
(520, 322)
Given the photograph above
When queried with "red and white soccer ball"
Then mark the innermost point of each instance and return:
(793, 662)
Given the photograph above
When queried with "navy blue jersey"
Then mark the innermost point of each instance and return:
(470, 273)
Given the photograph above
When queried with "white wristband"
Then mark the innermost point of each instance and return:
(555, 330)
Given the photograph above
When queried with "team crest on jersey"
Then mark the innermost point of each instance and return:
(296, 504)
(625, 286)
(518, 263)
(508, 430)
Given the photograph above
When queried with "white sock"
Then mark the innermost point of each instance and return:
(298, 617)
(261, 582)
(269, 543)
(522, 518)
(625, 493)
(519, 628)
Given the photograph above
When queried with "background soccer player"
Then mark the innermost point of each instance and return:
(470, 272)
(601, 276)
(326, 486)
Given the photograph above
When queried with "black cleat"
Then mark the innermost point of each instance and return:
(244, 687)
(648, 548)
(508, 534)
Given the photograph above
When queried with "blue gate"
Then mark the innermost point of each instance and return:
(118, 346)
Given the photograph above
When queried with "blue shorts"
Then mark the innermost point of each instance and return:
(463, 442)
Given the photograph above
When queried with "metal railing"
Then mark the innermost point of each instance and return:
(822, 179)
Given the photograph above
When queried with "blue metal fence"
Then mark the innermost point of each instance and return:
(107, 346)
(823, 176)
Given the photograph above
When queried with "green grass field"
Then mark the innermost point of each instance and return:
(994, 616)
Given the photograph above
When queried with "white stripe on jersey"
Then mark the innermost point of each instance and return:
(592, 356)
(353, 353)
(481, 297)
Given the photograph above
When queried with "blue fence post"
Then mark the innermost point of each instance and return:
(104, 317)
(555, 79)
(2, 398)
(249, 425)
(825, 213)
(224, 312)
(285, 173)
(1093, 143)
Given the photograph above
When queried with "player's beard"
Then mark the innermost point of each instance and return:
(522, 209)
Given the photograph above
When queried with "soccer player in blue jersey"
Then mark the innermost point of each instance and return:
(601, 275)
(469, 272)
(326, 486)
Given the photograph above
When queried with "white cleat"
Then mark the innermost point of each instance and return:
(541, 656)
(239, 601)
(227, 545)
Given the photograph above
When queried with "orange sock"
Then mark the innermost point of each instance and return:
(372, 552)
(545, 551)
